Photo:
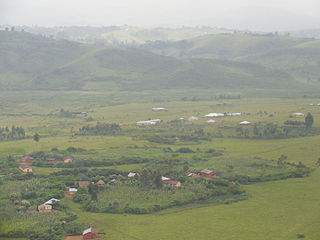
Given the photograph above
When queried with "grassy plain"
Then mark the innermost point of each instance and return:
(275, 210)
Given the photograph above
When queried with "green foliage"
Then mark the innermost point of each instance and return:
(13, 133)
(100, 129)
(36, 137)
(309, 120)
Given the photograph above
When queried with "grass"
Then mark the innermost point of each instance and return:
(274, 210)
(270, 213)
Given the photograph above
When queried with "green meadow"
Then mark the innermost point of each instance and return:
(279, 209)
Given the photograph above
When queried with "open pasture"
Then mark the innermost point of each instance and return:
(274, 210)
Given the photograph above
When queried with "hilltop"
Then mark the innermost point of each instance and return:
(32, 62)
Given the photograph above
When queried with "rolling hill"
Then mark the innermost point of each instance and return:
(31, 62)
(298, 57)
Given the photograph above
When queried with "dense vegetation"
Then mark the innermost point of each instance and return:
(100, 129)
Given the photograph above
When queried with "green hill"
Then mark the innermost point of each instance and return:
(33, 62)
(225, 46)
(298, 57)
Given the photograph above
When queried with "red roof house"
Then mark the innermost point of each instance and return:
(25, 168)
(27, 159)
(90, 233)
(100, 182)
(67, 159)
(172, 183)
(45, 208)
(205, 173)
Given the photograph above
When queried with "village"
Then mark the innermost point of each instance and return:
(164, 163)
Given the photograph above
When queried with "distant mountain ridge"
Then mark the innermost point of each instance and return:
(32, 62)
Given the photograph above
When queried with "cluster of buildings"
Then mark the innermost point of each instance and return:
(24, 164)
(25, 161)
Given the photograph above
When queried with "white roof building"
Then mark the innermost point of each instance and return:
(73, 190)
(158, 109)
(234, 114)
(298, 114)
(52, 201)
(89, 230)
(244, 123)
(164, 178)
(148, 122)
(193, 118)
(214, 115)
(132, 174)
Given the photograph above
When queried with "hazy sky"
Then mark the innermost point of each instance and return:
(267, 15)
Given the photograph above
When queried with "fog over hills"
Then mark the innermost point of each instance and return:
(219, 61)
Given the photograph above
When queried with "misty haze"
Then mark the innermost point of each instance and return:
(152, 119)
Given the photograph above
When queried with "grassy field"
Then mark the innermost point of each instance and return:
(274, 210)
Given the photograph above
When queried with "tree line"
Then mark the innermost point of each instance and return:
(12, 133)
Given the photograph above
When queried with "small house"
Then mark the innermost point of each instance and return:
(71, 192)
(45, 208)
(192, 175)
(172, 183)
(148, 122)
(298, 114)
(67, 159)
(211, 122)
(27, 159)
(244, 123)
(25, 168)
(159, 109)
(206, 173)
(82, 183)
(100, 182)
(90, 233)
(52, 201)
(211, 115)
(164, 178)
(234, 114)
(132, 174)
(52, 160)
(193, 118)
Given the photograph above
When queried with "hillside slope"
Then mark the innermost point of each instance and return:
(32, 62)
(298, 57)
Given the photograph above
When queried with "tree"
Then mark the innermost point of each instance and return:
(93, 191)
(309, 120)
(36, 137)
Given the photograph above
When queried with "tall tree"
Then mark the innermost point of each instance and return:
(36, 137)
(309, 120)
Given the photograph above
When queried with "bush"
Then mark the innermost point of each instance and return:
(184, 150)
